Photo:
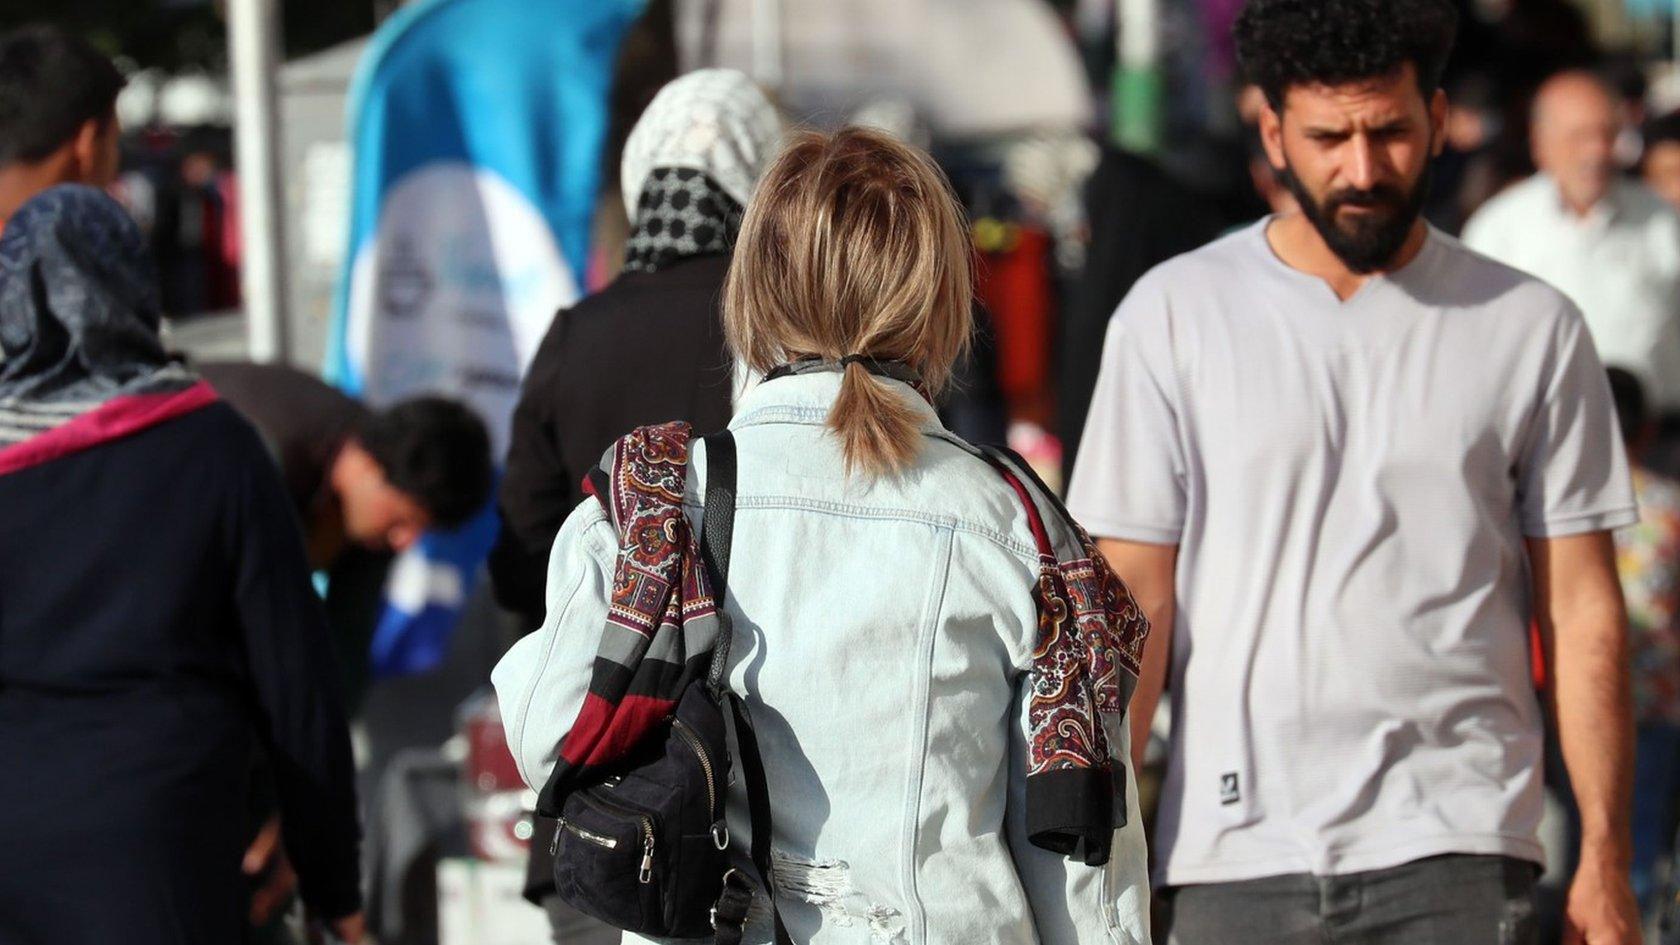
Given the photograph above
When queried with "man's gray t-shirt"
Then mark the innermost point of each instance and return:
(1349, 485)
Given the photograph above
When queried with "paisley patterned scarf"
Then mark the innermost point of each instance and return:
(662, 621)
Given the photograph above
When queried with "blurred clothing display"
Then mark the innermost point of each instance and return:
(1620, 263)
(1014, 286)
(159, 618)
(1648, 560)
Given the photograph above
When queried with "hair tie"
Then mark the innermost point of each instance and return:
(894, 370)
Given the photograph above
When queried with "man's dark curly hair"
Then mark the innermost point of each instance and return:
(437, 451)
(1283, 43)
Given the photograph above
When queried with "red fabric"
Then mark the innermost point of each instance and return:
(1015, 287)
(113, 420)
(1041, 536)
(617, 729)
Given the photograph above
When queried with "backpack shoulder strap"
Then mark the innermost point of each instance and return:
(716, 536)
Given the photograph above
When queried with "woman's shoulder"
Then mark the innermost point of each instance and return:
(222, 428)
(692, 285)
(215, 438)
(954, 477)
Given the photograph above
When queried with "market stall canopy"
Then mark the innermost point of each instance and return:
(969, 68)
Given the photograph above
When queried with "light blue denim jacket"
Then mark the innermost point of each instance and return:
(882, 630)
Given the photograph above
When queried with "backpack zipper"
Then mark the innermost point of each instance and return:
(693, 740)
(646, 873)
(610, 843)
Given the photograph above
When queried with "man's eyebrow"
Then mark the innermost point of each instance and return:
(1388, 125)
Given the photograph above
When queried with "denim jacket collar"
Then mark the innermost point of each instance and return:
(807, 399)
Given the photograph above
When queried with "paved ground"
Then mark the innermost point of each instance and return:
(214, 337)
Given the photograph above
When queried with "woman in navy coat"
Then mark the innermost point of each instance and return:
(157, 621)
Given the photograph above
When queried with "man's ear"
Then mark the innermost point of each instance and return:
(1271, 136)
(1438, 108)
(86, 149)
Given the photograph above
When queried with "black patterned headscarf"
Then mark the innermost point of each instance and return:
(690, 166)
(79, 312)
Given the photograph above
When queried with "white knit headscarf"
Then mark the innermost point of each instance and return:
(712, 120)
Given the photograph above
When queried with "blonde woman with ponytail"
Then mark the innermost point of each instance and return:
(933, 665)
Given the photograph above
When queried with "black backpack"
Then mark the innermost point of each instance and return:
(647, 849)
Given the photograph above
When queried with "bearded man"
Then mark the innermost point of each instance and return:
(1343, 462)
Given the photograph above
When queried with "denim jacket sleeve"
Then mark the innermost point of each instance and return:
(542, 681)
(1075, 904)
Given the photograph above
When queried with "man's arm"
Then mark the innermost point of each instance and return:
(1583, 627)
(1148, 571)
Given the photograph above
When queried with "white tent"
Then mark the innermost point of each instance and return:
(969, 68)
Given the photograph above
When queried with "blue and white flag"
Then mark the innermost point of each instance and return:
(477, 128)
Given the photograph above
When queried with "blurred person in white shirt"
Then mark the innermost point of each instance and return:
(1611, 244)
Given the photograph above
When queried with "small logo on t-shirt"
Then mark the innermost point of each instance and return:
(1229, 793)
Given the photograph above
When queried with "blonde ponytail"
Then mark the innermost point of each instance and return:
(853, 244)
(879, 431)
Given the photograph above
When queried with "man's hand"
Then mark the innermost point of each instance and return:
(266, 858)
(1601, 908)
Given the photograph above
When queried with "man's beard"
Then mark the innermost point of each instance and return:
(1372, 240)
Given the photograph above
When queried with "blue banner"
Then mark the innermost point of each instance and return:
(477, 128)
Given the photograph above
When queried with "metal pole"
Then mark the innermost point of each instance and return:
(1137, 79)
(254, 43)
(767, 44)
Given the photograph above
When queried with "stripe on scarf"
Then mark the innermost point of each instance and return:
(620, 727)
(626, 646)
(610, 677)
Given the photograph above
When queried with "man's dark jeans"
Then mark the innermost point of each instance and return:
(1443, 900)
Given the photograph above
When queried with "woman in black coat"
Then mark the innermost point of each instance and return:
(157, 621)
